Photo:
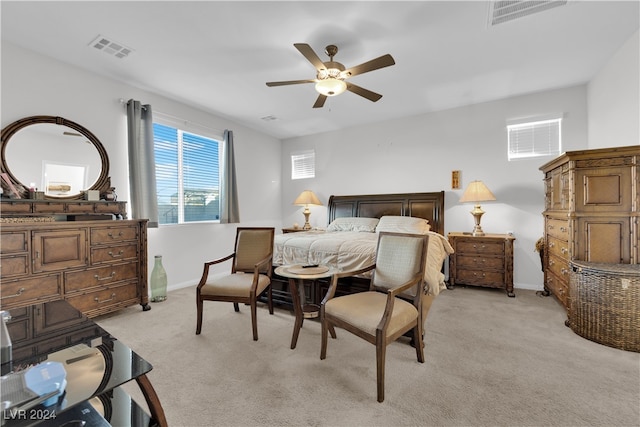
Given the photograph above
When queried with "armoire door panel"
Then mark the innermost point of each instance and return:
(602, 190)
(605, 241)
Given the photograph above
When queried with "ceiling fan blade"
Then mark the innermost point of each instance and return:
(374, 64)
(290, 82)
(320, 101)
(311, 56)
(365, 93)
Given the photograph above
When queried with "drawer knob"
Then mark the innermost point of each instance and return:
(109, 277)
(118, 255)
(20, 292)
(110, 234)
(113, 296)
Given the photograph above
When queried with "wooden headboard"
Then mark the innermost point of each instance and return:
(429, 206)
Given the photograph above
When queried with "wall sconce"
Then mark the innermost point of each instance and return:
(477, 192)
(305, 199)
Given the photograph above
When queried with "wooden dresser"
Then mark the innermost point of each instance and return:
(98, 266)
(482, 260)
(592, 212)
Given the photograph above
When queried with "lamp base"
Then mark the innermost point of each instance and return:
(477, 213)
(306, 212)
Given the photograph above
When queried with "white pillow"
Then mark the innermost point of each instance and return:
(403, 224)
(353, 224)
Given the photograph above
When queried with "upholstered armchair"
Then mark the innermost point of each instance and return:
(250, 275)
(382, 314)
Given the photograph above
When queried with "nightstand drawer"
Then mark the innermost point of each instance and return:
(480, 246)
(481, 278)
(478, 262)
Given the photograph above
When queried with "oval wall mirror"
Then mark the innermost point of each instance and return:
(57, 156)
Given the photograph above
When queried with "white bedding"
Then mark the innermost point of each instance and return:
(350, 250)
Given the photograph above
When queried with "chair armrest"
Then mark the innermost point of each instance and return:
(391, 299)
(205, 271)
(256, 270)
(334, 281)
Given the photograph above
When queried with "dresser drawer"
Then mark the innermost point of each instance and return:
(102, 300)
(13, 242)
(14, 265)
(48, 207)
(80, 280)
(109, 235)
(110, 207)
(482, 246)
(18, 292)
(559, 287)
(480, 262)
(559, 267)
(15, 207)
(557, 247)
(114, 253)
(493, 279)
(558, 228)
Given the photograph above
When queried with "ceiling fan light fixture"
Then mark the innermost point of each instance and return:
(331, 86)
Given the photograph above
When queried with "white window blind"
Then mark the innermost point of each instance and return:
(535, 138)
(303, 164)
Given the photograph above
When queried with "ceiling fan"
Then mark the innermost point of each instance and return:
(331, 76)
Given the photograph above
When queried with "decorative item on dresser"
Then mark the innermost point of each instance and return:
(477, 192)
(485, 260)
(592, 212)
(62, 246)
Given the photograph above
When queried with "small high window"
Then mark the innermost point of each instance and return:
(303, 164)
(535, 139)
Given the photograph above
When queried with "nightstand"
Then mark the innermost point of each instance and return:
(482, 261)
(292, 230)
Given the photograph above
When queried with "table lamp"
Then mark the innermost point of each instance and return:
(305, 199)
(477, 192)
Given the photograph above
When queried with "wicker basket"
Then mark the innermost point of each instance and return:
(605, 303)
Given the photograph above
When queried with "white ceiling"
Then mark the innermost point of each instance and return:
(217, 56)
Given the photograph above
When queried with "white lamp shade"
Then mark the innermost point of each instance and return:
(477, 192)
(307, 197)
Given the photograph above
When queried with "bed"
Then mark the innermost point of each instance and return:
(350, 240)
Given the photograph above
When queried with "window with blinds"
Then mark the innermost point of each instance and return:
(303, 164)
(187, 175)
(535, 139)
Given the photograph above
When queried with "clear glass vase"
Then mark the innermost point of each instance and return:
(158, 281)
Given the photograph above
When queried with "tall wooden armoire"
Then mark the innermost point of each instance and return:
(592, 212)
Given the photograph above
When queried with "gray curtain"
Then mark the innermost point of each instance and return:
(229, 211)
(142, 167)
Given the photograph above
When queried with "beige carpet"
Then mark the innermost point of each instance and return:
(490, 361)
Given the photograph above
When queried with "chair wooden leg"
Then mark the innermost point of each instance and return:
(254, 319)
(199, 315)
(381, 351)
(270, 300)
(323, 345)
(417, 339)
(236, 307)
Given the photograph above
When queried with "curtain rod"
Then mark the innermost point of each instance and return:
(181, 120)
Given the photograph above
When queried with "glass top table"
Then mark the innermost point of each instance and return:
(96, 365)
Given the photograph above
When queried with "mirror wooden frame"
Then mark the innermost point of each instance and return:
(102, 184)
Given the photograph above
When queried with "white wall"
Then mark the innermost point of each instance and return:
(417, 154)
(36, 85)
(613, 99)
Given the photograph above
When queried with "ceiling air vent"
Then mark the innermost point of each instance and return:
(508, 10)
(110, 47)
